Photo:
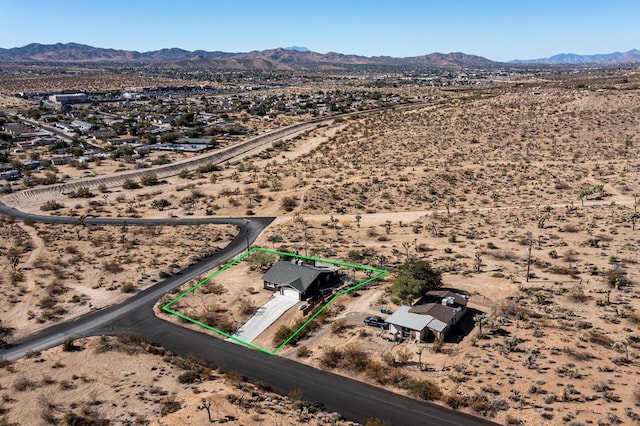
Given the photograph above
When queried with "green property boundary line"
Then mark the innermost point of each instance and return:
(166, 307)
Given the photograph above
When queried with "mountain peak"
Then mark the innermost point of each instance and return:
(632, 56)
(297, 49)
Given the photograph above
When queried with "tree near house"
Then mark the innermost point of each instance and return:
(415, 277)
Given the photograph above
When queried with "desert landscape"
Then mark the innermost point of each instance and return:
(522, 192)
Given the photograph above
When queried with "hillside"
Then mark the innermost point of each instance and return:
(279, 59)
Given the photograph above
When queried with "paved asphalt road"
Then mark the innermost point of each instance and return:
(353, 399)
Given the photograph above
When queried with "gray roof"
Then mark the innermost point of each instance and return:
(299, 277)
(404, 318)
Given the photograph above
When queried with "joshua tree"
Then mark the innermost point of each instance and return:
(480, 320)
(206, 405)
(478, 261)
(358, 219)
(451, 202)
(14, 259)
(634, 217)
(406, 245)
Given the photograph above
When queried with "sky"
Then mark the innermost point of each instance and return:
(499, 30)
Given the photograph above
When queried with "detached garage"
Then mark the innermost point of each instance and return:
(298, 280)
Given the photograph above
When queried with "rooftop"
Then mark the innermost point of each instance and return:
(297, 275)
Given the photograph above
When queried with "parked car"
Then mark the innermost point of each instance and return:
(375, 321)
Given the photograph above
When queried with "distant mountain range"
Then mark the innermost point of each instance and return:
(291, 58)
(632, 56)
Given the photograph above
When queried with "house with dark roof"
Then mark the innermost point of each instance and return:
(433, 314)
(298, 280)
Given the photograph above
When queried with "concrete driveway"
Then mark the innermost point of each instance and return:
(264, 317)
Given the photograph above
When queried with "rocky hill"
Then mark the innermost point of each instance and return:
(616, 58)
(276, 59)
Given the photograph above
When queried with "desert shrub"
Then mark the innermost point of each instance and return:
(214, 288)
(51, 205)
(570, 228)
(218, 320)
(577, 295)
(568, 370)
(69, 345)
(379, 372)
(160, 204)
(130, 184)
(355, 359)
(170, 405)
(455, 400)
(570, 256)
(303, 352)
(82, 192)
(276, 238)
(331, 357)
(511, 309)
(289, 203)
(23, 384)
(127, 338)
(208, 168)
(338, 325)
(425, 389)
(149, 179)
(480, 404)
(189, 377)
(48, 302)
(247, 307)
(599, 338)
(616, 278)
(112, 267)
(127, 287)
(564, 270)
(259, 260)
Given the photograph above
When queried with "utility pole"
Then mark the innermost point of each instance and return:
(529, 254)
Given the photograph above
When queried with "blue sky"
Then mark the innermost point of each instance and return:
(498, 30)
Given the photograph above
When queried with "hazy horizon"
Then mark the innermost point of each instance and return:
(496, 30)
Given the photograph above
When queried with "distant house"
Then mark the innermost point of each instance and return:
(69, 98)
(433, 314)
(298, 280)
(208, 142)
(81, 126)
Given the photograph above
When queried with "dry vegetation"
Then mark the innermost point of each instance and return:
(64, 271)
(472, 185)
(125, 380)
(36, 78)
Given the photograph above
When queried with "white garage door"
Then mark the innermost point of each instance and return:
(289, 292)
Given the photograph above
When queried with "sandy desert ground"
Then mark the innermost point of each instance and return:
(471, 185)
(124, 380)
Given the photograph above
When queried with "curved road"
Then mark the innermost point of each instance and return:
(354, 400)
(218, 156)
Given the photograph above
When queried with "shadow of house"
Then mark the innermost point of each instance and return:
(432, 316)
(463, 327)
(298, 280)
